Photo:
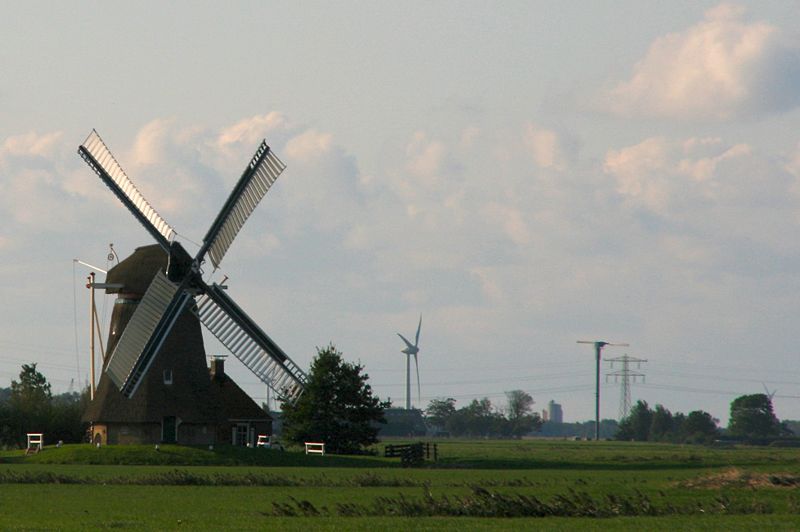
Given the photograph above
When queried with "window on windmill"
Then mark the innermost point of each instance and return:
(167, 376)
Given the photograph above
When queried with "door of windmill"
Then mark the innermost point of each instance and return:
(168, 430)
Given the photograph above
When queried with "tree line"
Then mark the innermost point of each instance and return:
(752, 419)
(30, 406)
(481, 419)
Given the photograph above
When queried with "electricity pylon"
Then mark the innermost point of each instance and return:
(626, 373)
(598, 348)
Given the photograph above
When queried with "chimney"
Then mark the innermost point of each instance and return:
(217, 367)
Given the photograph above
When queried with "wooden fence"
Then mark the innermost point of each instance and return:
(412, 454)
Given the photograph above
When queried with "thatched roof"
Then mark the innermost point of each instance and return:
(136, 272)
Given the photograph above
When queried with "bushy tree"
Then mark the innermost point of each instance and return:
(337, 406)
(700, 427)
(661, 426)
(29, 406)
(521, 419)
(752, 417)
(439, 411)
(637, 425)
(29, 402)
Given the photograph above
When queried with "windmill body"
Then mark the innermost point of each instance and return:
(168, 299)
(180, 399)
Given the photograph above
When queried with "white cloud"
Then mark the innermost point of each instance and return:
(545, 147)
(31, 145)
(309, 144)
(661, 175)
(251, 131)
(720, 68)
(425, 157)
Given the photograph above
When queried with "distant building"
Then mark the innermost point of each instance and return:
(554, 412)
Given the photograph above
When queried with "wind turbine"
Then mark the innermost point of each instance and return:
(598, 348)
(768, 393)
(411, 350)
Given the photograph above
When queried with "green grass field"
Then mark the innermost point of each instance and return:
(475, 485)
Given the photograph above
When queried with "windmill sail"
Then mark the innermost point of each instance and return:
(146, 331)
(256, 180)
(242, 337)
(97, 155)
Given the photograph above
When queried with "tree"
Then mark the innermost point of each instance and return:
(337, 406)
(439, 411)
(752, 417)
(520, 419)
(29, 403)
(661, 426)
(637, 425)
(700, 427)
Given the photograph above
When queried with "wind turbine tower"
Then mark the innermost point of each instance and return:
(411, 350)
(598, 348)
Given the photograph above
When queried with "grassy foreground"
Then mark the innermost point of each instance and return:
(486, 485)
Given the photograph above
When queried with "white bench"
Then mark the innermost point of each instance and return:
(315, 448)
(35, 442)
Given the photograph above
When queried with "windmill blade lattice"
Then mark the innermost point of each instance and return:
(97, 155)
(255, 182)
(242, 337)
(144, 334)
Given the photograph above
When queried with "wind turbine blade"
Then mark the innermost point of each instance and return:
(419, 388)
(416, 342)
(255, 182)
(145, 333)
(405, 340)
(99, 158)
(250, 344)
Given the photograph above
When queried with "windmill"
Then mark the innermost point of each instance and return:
(411, 350)
(180, 286)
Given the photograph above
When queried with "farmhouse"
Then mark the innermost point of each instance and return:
(180, 399)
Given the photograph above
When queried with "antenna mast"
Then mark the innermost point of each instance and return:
(598, 348)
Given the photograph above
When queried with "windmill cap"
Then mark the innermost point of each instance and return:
(137, 271)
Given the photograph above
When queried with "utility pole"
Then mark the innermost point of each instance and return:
(626, 373)
(90, 286)
(598, 348)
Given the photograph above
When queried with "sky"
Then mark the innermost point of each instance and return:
(521, 174)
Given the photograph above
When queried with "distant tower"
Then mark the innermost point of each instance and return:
(626, 374)
(554, 412)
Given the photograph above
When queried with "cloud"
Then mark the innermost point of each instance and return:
(30, 145)
(662, 175)
(721, 68)
(251, 131)
(545, 147)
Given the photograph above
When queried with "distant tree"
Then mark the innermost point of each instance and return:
(520, 419)
(700, 427)
(752, 417)
(65, 417)
(637, 425)
(439, 411)
(29, 403)
(476, 419)
(661, 426)
(337, 406)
